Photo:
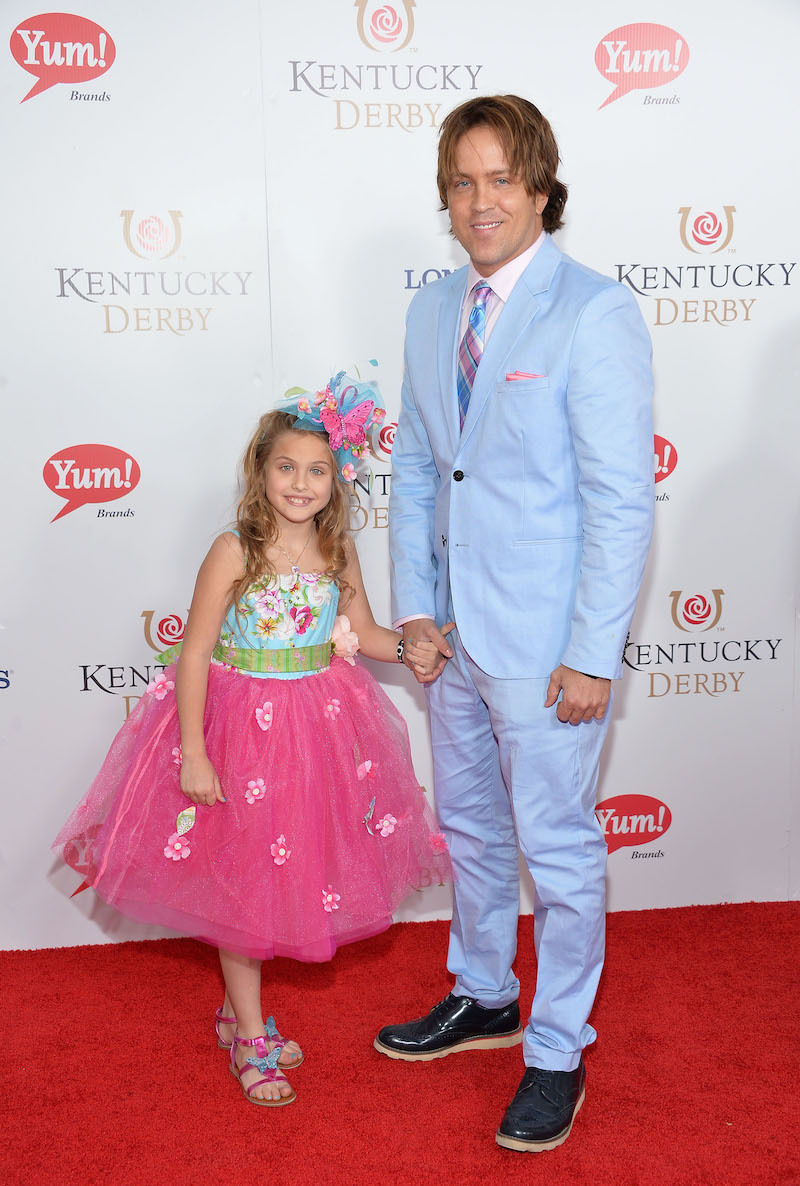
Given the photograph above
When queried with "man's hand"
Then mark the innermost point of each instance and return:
(582, 698)
(415, 635)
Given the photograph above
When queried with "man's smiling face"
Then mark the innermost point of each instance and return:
(492, 215)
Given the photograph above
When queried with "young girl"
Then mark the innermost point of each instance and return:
(306, 825)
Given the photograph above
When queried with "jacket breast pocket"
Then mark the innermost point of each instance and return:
(512, 388)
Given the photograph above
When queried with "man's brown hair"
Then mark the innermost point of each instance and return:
(528, 142)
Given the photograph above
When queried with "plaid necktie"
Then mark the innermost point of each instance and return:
(471, 348)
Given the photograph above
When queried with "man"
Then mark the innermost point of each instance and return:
(521, 508)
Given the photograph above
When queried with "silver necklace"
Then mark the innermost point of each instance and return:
(294, 563)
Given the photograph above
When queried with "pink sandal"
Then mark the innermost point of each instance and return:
(266, 1065)
(270, 1030)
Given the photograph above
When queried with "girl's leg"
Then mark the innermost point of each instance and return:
(243, 995)
(291, 1054)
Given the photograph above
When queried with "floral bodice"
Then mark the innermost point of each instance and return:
(288, 610)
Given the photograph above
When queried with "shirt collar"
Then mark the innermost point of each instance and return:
(504, 279)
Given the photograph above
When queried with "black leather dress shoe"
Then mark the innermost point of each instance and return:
(456, 1023)
(540, 1115)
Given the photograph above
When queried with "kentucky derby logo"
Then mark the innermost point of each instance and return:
(385, 28)
(696, 612)
(149, 236)
(704, 233)
(162, 632)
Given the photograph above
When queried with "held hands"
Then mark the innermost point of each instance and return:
(582, 698)
(426, 648)
(199, 781)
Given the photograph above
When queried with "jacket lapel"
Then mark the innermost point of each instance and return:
(520, 309)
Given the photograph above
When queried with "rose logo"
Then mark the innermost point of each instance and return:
(386, 437)
(170, 630)
(152, 235)
(385, 25)
(165, 633)
(707, 229)
(708, 234)
(696, 612)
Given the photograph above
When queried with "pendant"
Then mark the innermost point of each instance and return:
(295, 570)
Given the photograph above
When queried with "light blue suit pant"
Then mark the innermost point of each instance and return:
(507, 771)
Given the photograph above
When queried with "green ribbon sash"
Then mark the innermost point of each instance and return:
(266, 662)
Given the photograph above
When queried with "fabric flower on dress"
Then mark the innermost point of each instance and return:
(366, 770)
(160, 686)
(438, 842)
(264, 715)
(302, 617)
(280, 851)
(349, 472)
(177, 756)
(269, 602)
(255, 790)
(386, 825)
(344, 640)
(177, 848)
(330, 900)
(332, 709)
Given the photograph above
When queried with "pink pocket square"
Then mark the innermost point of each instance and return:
(515, 376)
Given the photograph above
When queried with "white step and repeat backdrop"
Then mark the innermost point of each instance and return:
(206, 205)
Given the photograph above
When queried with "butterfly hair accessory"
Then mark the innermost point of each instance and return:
(346, 409)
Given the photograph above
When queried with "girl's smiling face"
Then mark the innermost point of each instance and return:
(299, 477)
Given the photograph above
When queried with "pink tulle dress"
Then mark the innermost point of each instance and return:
(325, 829)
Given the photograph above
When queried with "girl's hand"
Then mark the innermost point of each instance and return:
(424, 656)
(199, 781)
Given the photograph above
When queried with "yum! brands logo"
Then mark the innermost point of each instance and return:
(696, 612)
(640, 58)
(151, 236)
(705, 232)
(385, 27)
(629, 821)
(89, 474)
(160, 633)
(59, 47)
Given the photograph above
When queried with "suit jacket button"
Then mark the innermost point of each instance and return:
(459, 475)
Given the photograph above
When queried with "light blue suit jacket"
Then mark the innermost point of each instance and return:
(541, 544)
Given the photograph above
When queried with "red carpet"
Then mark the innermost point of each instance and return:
(112, 1075)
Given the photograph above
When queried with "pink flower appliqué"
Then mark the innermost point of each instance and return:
(366, 770)
(349, 472)
(280, 851)
(330, 900)
(255, 790)
(177, 756)
(160, 686)
(303, 405)
(344, 640)
(386, 825)
(332, 709)
(378, 415)
(438, 842)
(302, 618)
(264, 715)
(177, 848)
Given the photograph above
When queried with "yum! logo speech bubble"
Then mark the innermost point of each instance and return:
(90, 473)
(640, 57)
(629, 820)
(61, 47)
